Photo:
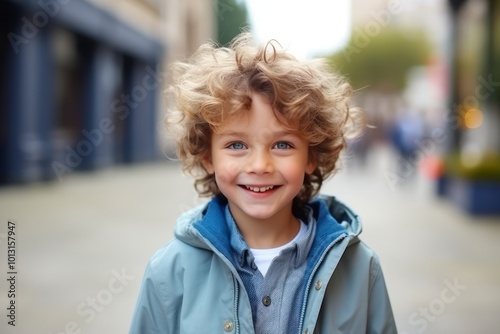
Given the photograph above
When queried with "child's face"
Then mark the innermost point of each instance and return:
(259, 164)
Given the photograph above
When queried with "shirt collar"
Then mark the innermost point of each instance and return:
(240, 248)
(242, 253)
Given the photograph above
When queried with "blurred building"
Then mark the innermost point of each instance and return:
(81, 80)
(475, 78)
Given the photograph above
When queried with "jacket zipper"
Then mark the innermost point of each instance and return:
(308, 286)
(236, 299)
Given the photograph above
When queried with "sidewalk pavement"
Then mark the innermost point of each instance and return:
(83, 244)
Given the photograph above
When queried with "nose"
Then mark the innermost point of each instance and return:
(260, 162)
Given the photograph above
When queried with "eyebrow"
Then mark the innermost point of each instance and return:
(232, 134)
(282, 133)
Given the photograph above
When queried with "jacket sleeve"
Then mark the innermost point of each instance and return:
(160, 297)
(150, 314)
(380, 316)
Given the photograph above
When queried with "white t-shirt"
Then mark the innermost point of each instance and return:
(264, 257)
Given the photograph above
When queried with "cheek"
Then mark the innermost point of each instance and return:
(226, 171)
(297, 169)
(295, 173)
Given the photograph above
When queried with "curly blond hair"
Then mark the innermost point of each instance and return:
(217, 83)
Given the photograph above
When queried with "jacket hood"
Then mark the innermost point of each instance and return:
(194, 223)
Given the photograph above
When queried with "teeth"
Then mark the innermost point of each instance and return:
(259, 189)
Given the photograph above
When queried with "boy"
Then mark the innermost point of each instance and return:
(260, 131)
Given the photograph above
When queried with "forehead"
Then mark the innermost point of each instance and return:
(259, 117)
(255, 127)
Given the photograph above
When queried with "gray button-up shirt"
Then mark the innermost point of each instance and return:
(276, 299)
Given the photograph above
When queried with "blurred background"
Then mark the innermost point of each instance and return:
(89, 177)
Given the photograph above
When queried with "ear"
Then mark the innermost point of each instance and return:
(311, 162)
(311, 166)
(206, 161)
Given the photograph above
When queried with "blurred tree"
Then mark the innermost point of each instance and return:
(232, 17)
(381, 61)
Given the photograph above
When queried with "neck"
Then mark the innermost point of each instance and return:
(266, 233)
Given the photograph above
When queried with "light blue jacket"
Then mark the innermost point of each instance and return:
(190, 285)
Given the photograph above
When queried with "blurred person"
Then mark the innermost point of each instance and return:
(260, 131)
(407, 132)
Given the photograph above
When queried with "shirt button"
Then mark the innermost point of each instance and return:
(318, 285)
(228, 326)
(266, 300)
(306, 331)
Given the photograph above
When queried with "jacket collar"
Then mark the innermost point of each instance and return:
(206, 226)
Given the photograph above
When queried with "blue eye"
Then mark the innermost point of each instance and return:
(282, 145)
(236, 146)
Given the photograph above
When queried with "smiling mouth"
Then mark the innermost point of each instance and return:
(259, 189)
